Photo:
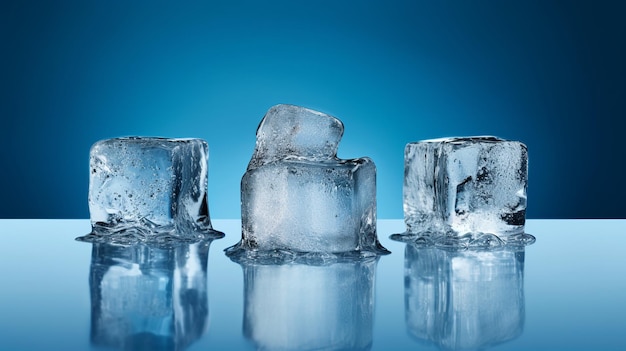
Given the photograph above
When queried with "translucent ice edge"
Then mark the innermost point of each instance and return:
(241, 253)
(133, 234)
(455, 140)
(475, 241)
(164, 245)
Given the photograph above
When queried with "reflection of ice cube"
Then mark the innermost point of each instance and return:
(148, 298)
(465, 185)
(151, 184)
(297, 195)
(304, 307)
(464, 299)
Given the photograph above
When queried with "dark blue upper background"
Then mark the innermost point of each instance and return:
(549, 73)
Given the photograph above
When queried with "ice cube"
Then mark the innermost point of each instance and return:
(308, 307)
(294, 132)
(148, 297)
(309, 207)
(297, 195)
(464, 300)
(460, 186)
(149, 186)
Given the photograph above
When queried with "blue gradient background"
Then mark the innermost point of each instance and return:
(549, 73)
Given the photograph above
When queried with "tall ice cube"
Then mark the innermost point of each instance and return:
(460, 186)
(149, 186)
(297, 195)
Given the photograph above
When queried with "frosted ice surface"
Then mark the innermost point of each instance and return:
(149, 186)
(461, 186)
(464, 300)
(146, 297)
(294, 132)
(296, 195)
(308, 307)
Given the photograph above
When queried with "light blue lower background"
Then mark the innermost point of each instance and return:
(573, 288)
(550, 74)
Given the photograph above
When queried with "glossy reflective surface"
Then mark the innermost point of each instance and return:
(564, 292)
(145, 297)
(464, 299)
(310, 307)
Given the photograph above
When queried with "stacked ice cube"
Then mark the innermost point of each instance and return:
(149, 186)
(297, 195)
(465, 187)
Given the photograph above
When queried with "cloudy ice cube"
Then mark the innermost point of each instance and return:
(149, 185)
(297, 195)
(464, 186)
(464, 300)
(147, 297)
(308, 307)
(294, 132)
(310, 207)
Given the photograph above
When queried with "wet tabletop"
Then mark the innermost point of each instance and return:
(566, 291)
